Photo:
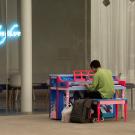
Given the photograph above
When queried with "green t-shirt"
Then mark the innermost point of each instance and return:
(103, 82)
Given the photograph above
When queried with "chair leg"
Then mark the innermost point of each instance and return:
(98, 112)
(116, 112)
(125, 111)
(16, 96)
(16, 100)
(10, 100)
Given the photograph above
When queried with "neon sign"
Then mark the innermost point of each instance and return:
(12, 33)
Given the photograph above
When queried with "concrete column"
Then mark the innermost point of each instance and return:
(26, 56)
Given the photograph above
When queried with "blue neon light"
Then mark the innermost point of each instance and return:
(13, 33)
(2, 36)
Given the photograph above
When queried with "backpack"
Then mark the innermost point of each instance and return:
(82, 112)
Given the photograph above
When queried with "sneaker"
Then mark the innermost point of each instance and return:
(102, 119)
(95, 119)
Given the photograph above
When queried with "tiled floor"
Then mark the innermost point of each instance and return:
(40, 124)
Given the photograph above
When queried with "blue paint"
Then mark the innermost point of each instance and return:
(12, 33)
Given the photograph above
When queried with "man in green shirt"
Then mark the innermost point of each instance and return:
(102, 85)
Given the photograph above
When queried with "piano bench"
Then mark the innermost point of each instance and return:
(116, 102)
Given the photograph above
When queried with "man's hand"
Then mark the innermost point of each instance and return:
(87, 85)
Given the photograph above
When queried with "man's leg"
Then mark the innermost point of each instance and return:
(95, 95)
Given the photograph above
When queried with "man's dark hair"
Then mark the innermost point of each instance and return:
(95, 64)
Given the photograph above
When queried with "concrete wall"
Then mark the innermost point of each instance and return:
(58, 37)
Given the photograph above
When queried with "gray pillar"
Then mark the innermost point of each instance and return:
(26, 56)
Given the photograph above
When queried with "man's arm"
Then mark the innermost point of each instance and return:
(94, 84)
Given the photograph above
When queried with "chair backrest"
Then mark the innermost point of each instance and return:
(15, 80)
